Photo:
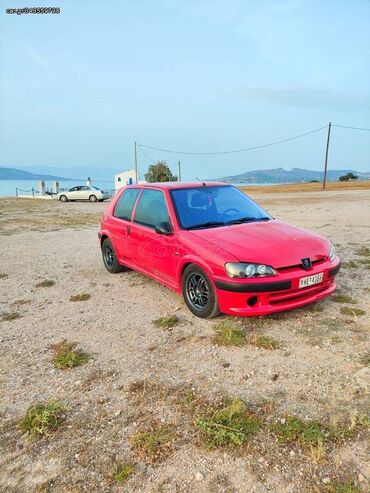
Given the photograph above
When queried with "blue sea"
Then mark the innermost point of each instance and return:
(8, 187)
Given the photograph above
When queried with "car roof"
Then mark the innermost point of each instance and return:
(169, 185)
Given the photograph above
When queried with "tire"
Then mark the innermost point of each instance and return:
(63, 198)
(110, 258)
(198, 292)
(93, 198)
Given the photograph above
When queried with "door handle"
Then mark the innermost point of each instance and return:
(128, 230)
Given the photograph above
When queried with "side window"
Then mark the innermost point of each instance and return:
(151, 209)
(74, 189)
(126, 203)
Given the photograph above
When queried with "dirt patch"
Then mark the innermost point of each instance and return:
(141, 378)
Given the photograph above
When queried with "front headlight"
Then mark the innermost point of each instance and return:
(241, 270)
(332, 253)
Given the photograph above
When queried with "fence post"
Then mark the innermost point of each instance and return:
(33, 192)
(16, 192)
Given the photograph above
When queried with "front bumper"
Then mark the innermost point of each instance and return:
(250, 298)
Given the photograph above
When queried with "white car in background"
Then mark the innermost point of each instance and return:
(84, 192)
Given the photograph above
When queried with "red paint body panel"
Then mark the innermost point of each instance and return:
(273, 243)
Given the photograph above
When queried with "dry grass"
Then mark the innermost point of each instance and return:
(154, 443)
(343, 298)
(263, 342)
(47, 283)
(80, 297)
(9, 316)
(166, 322)
(364, 251)
(308, 187)
(18, 215)
(365, 360)
(351, 264)
(347, 310)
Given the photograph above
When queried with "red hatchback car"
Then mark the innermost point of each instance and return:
(216, 246)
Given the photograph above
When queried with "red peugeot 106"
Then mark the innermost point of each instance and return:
(216, 246)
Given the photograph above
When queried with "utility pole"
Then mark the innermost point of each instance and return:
(326, 157)
(179, 170)
(136, 173)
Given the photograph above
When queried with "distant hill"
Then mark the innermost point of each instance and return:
(295, 175)
(79, 172)
(18, 174)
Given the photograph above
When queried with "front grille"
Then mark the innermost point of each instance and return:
(299, 266)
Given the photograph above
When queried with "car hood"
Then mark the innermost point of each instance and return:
(272, 242)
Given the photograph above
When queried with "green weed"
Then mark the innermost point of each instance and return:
(67, 356)
(41, 419)
(123, 472)
(229, 426)
(229, 333)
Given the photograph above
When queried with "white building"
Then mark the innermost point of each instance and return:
(124, 178)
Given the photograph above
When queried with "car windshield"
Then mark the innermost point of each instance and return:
(213, 206)
(95, 188)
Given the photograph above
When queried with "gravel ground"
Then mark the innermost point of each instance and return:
(138, 373)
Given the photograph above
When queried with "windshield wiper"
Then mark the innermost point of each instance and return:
(209, 224)
(247, 220)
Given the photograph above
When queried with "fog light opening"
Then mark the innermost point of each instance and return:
(252, 300)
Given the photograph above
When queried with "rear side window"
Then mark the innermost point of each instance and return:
(126, 203)
(151, 209)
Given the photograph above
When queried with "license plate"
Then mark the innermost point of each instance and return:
(310, 280)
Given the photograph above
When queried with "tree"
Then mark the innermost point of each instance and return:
(348, 176)
(159, 172)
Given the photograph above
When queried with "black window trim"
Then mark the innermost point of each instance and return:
(137, 203)
(133, 207)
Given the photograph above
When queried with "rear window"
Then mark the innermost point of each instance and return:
(125, 204)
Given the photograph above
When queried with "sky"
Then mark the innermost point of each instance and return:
(80, 87)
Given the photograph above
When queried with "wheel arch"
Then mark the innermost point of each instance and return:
(197, 262)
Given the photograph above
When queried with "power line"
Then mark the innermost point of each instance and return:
(146, 155)
(234, 150)
(352, 128)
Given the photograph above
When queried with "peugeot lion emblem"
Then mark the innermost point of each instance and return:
(306, 263)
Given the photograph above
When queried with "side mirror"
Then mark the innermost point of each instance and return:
(163, 229)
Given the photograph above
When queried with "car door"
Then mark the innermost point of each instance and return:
(152, 252)
(120, 223)
(85, 192)
(73, 193)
